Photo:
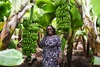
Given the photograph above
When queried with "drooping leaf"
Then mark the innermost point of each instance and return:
(10, 57)
(80, 32)
(95, 5)
(48, 8)
(75, 13)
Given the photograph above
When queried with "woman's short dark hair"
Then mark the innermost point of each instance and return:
(54, 31)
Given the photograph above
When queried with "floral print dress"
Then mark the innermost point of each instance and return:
(51, 48)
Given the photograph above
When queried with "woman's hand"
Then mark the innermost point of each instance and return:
(59, 60)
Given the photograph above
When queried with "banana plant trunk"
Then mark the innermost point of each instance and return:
(91, 35)
(70, 48)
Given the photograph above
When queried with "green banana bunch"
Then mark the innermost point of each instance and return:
(30, 37)
(63, 15)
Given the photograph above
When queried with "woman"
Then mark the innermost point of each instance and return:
(51, 44)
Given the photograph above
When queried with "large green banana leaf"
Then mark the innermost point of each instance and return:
(48, 8)
(96, 7)
(46, 19)
(76, 24)
(10, 57)
(76, 18)
(75, 13)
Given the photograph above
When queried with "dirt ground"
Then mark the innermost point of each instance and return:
(78, 60)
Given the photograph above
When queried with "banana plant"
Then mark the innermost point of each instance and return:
(82, 34)
(12, 21)
(90, 18)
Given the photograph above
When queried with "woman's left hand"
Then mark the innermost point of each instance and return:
(59, 60)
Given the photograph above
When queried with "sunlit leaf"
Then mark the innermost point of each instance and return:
(54, 23)
(10, 57)
(72, 1)
(95, 5)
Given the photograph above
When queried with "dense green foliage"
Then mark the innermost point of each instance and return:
(4, 9)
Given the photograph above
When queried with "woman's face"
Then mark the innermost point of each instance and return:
(49, 30)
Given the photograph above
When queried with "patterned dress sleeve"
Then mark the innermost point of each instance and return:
(59, 44)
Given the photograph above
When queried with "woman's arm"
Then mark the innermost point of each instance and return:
(38, 41)
(41, 43)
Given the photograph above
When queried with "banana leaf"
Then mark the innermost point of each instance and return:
(49, 8)
(40, 3)
(46, 19)
(75, 13)
(10, 57)
(96, 60)
(76, 24)
(95, 5)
